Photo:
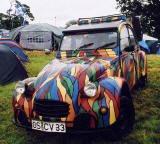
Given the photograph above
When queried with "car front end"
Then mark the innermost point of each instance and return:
(68, 94)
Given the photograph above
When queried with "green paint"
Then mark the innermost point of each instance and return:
(96, 110)
(53, 119)
(74, 53)
(142, 64)
(67, 83)
(49, 94)
(93, 73)
(88, 73)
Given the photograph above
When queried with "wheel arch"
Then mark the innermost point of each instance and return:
(125, 90)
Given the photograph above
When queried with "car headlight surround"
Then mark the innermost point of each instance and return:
(90, 89)
(20, 87)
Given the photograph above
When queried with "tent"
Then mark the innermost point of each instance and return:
(16, 48)
(4, 33)
(11, 68)
(155, 47)
(144, 46)
(37, 36)
(147, 37)
(149, 40)
(153, 44)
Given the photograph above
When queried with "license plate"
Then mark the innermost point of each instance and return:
(49, 126)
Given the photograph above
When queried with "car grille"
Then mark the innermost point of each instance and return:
(50, 108)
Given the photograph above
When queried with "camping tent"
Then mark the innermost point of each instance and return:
(149, 40)
(153, 44)
(147, 37)
(144, 46)
(16, 48)
(155, 47)
(4, 33)
(37, 36)
(11, 69)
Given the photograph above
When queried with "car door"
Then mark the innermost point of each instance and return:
(128, 55)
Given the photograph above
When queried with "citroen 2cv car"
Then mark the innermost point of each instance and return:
(86, 88)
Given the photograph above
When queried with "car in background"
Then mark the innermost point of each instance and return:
(87, 88)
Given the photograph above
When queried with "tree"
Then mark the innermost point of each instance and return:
(4, 20)
(10, 20)
(71, 22)
(149, 12)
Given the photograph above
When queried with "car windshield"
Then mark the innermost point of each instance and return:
(105, 40)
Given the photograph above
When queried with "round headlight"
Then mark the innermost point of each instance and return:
(20, 87)
(90, 89)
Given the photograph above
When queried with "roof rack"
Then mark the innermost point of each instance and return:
(102, 19)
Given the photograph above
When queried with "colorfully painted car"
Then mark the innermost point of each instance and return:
(87, 87)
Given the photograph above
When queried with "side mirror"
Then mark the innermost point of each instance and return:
(129, 48)
(136, 21)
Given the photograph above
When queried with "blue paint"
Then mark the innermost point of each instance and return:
(106, 116)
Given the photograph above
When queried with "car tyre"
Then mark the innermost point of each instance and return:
(143, 81)
(125, 121)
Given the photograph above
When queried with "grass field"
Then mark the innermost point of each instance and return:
(146, 101)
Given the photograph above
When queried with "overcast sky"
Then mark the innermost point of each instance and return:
(58, 12)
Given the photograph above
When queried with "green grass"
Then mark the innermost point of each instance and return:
(146, 101)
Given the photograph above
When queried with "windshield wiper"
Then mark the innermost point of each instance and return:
(105, 45)
(84, 46)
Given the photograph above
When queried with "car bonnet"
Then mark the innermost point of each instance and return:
(68, 76)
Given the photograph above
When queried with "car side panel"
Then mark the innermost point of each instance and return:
(142, 63)
(128, 69)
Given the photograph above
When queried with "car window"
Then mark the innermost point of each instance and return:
(132, 38)
(124, 38)
(89, 41)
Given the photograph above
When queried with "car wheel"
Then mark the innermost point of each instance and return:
(143, 81)
(125, 121)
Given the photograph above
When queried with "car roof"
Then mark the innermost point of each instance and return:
(89, 27)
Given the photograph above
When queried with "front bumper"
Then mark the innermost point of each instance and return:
(73, 130)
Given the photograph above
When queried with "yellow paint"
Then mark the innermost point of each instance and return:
(18, 97)
(109, 72)
(114, 18)
(112, 117)
(73, 71)
(16, 105)
(61, 88)
(63, 54)
(105, 63)
(103, 110)
(145, 65)
(111, 53)
(119, 73)
(134, 77)
(77, 69)
(138, 67)
(102, 52)
(86, 79)
(91, 58)
(71, 115)
(63, 119)
(26, 108)
(120, 27)
(40, 117)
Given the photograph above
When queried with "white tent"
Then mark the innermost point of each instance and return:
(37, 36)
(147, 37)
